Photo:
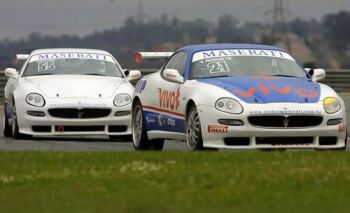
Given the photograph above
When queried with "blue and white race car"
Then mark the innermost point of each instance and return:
(236, 96)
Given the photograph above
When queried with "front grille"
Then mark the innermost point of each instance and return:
(293, 121)
(79, 128)
(285, 141)
(75, 113)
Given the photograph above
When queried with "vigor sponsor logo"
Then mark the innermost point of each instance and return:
(169, 99)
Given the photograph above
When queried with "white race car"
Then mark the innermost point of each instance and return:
(61, 92)
(236, 96)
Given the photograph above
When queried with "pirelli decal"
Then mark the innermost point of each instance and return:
(217, 129)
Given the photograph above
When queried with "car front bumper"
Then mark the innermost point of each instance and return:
(50, 125)
(248, 136)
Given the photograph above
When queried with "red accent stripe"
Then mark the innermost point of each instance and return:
(164, 110)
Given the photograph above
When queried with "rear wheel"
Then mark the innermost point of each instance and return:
(193, 130)
(139, 133)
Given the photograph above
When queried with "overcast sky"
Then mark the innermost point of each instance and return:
(18, 18)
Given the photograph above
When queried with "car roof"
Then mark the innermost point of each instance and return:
(65, 50)
(205, 47)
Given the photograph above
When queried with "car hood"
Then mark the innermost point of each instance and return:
(266, 89)
(76, 86)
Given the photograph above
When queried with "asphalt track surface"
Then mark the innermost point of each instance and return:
(82, 143)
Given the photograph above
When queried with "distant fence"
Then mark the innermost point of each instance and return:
(339, 80)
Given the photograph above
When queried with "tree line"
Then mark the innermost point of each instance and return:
(326, 42)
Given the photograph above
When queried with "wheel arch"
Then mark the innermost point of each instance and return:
(189, 104)
(134, 101)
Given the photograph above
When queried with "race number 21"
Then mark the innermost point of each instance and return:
(218, 67)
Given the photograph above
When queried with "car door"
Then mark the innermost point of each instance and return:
(168, 98)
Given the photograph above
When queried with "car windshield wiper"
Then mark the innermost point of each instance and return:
(217, 76)
(288, 76)
(38, 74)
(95, 74)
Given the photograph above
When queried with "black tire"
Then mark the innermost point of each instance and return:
(346, 141)
(157, 144)
(15, 130)
(120, 138)
(140, 139)
(194, 138)
(7, 127)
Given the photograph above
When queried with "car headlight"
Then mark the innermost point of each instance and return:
(35, 99)
(229, 105)
(122, 100)
(331, 105)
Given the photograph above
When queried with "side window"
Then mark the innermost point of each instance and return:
(169, 63)
(178, 62)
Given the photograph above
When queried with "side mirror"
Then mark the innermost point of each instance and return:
(173, 75)
(317, 74)
(132, 75)
(11, 73)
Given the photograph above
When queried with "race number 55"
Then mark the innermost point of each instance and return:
(46, 66)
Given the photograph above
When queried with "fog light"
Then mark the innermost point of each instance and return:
(332, 122)
(36, 113)
(122, 113)
(231, 122)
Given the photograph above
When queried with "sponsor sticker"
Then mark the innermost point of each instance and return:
(162, 121)
(239, 52)
(71, 55)
(140, 87)
(285, 111)
(169, 99)
(288, 145)
(271, 89)
(150, 120)
(217, 129)
(79, 104)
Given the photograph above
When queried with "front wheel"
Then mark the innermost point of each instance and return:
(15, 130)
(7, 127)
(139, 133)
(193, 130)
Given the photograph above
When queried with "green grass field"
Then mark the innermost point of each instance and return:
(175, 182)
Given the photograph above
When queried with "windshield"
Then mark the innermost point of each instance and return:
(244, 62)
(72, 64)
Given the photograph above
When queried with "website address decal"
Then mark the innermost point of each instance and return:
(285, 111)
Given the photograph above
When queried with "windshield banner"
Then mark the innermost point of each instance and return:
(71, 55)
(239, 52)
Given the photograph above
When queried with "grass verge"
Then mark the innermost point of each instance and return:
(175, 182)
